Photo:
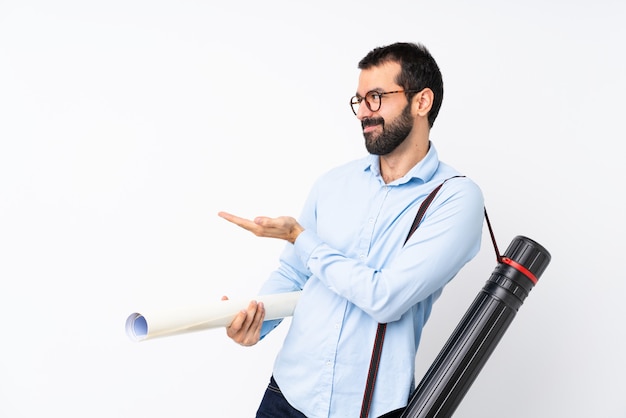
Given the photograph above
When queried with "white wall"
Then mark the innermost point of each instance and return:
(125, 126)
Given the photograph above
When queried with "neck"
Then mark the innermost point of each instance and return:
(397, 163)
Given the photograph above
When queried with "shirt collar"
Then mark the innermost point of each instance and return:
(423, 171)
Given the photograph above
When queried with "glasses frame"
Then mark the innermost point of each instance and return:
(356, 100)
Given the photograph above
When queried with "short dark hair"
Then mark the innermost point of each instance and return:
(419, 70)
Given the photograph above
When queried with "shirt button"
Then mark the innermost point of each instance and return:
(362, 256)
(328, 364)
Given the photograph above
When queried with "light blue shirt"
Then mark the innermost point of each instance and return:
(355, 272)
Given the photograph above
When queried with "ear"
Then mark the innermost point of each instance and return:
(422, 102)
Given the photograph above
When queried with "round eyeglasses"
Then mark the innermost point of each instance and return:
(373, 99)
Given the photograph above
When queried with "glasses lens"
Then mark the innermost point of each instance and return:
(373, 100)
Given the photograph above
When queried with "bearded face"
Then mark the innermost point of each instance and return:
(383, 142)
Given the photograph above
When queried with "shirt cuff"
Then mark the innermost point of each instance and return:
(305, 244)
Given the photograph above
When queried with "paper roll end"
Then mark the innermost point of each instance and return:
(136, 327)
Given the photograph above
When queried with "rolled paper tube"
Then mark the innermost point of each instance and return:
(162, 323)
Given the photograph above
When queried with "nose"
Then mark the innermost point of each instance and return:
(363, 111)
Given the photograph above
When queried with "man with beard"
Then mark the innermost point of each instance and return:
(347, 254)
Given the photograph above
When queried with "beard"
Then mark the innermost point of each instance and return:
(392, 135)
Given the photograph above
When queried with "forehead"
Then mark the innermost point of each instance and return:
(381, 77)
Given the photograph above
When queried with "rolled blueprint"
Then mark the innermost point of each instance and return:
(161, 323)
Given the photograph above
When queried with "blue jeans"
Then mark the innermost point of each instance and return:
(274, 404)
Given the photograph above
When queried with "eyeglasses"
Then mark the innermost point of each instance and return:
(373, 99)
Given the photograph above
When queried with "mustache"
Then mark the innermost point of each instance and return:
(372, 122)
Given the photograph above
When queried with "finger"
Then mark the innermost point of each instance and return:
(242, 222)
(264, 221)
(258, 320)
(235, 325)
(224, 297)
(253, 334)
(259, 315)
(225, 215)
(251, 312)
(241, 323)
(261, 226)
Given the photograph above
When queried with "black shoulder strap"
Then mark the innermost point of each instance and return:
(424, 206)
(380, 331)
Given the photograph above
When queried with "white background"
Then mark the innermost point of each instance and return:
(125, 126)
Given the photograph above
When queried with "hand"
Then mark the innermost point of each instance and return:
(283, 227)
(245, 328)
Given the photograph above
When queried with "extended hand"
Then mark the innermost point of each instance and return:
(283, 227)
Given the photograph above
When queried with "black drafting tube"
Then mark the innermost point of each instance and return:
(460, 361)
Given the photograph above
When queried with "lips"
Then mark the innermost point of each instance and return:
(368, 124)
